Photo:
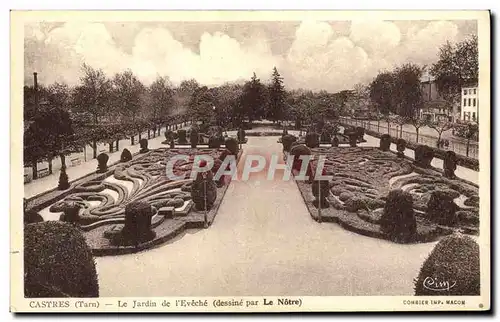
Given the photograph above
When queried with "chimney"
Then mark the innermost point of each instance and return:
(35, 86)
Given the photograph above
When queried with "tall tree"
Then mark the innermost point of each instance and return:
(183, 95)
(202, 103)
(382, 92)
(276, 97)
(469, 130)
(456, 67)
(48, 134)
(417, 123)
(407, 91)
(253, 99)
(127, 94)
(91, 98)
(59, 95)
(440, 127)
(226, 102)
(160, 99)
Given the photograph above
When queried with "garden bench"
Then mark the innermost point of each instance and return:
(76, 161)
(43, 172)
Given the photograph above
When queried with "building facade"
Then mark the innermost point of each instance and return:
(470, 104)
(435, 107)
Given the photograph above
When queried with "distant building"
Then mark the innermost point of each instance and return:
(435, 107)
(470, 104)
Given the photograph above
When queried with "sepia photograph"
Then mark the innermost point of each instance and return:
(250, 161)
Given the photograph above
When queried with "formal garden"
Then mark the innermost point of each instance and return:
(85, 236)
(379, 193)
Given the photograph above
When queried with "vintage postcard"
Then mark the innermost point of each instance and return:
(250, 161)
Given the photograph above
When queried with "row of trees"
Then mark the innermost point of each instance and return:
(232, 104)
(59, 119)
(399, 91)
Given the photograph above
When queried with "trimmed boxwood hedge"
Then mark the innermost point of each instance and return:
(398, 220)
(58, 262)
(463, 161)
(452, 268)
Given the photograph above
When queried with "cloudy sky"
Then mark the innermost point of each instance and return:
(331, 55)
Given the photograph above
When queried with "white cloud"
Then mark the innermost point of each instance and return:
(320, 57)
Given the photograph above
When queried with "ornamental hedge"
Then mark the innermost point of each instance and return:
(58, 262)
(452, 268)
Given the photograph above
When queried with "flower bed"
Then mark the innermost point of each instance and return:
(97, 202)
(362, 178)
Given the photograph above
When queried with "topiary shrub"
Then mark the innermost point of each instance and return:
(137, 228)
(348, 130)
(58, 262)
(287, 141)
(102, 163)
(241, 135)
(441, 208)
(204, 189)
(169, 134)
(312, 140)
(126, 156)
(452, 268)
(194, 137)
(400, 147)
(144, 146)
(181, 134)
(71, 212)
(232, 145)
(423, 156)
(63, 180)
(385, 142)
(450, 164)
(214, 142)
(325, 137)
(335, 141)
(296, 152)
(360, 132)
(353, 139)
(398, 219)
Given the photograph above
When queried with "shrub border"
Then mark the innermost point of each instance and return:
(437, 234)
(463, 161)
(184, 224)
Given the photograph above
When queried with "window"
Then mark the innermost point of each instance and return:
(469, 102)
(473, 102)
(473, 116)
(465, 92)
(465, 102)
(474, 91)
(470, 91)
